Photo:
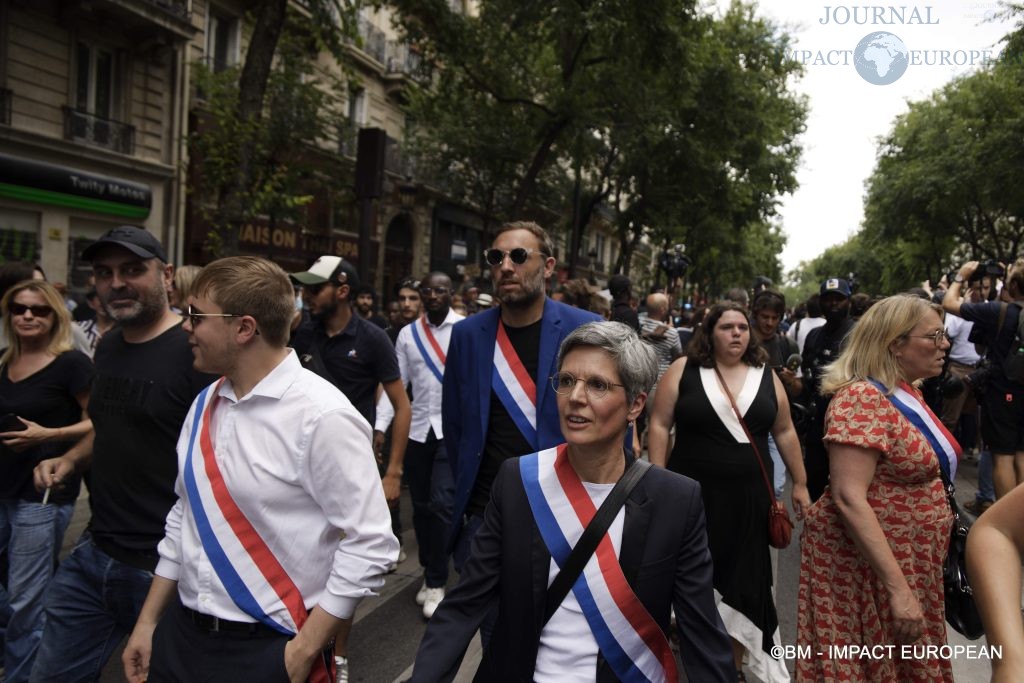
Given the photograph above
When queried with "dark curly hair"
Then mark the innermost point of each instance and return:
(701, 351)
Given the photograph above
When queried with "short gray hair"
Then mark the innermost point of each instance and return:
(636, 361)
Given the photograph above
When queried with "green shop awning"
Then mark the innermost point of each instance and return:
(35, 181)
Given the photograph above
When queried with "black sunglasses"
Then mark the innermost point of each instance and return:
(39, 310)
(518, 256)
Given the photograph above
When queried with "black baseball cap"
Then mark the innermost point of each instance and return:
(137, 240)
(836, 285)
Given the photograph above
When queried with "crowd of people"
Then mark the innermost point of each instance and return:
(599, 473)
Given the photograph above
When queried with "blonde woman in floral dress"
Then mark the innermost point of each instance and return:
(873, 546)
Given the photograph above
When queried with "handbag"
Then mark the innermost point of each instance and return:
(961, 610)
(592, 535)
(780, 526)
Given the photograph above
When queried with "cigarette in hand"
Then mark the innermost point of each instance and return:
(46, 496)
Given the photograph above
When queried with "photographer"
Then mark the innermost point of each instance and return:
(1002, 402)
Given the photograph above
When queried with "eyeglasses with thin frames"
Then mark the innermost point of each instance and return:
(195, 316)
(428, 291)
(937, 337)
(518, 256)
(596, 387)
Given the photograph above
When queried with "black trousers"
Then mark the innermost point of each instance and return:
(186, 653)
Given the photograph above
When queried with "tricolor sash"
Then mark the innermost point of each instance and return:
(632, 642)
(917, 412)
(514, 386)
(432, 353)
(251, 575)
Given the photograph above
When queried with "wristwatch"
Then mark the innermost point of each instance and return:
(959, 278)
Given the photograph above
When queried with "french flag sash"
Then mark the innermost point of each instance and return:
(631, 641)
(432, 353)
(514, 386)
(917, 412)
(252, 576)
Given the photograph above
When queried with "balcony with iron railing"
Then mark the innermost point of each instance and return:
(170, 17)
(371, 41)
(98, 131)
(402, 64)
(6, 96)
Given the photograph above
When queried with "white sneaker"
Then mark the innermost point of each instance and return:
(421, 594)
(432, 598)
(340, 669)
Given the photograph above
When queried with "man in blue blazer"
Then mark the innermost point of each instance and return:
(497, 401)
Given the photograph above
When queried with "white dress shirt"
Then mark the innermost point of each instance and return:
(297, 459)
(426, 390)
(961, 349)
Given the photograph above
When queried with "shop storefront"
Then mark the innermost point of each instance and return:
(49, 213)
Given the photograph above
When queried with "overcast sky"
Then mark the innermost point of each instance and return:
(848, 114)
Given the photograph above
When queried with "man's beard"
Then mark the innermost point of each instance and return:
(837, 316)
(325, 312)
(148, 306)
(528, 294)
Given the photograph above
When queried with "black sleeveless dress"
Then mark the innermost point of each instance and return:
(712, 448)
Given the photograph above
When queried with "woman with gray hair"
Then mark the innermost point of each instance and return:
(601, 614)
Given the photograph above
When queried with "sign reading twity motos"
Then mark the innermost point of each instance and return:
(42, 183)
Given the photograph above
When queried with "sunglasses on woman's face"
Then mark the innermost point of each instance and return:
(39, 310)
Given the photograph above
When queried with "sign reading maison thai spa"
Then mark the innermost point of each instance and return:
(42, 183)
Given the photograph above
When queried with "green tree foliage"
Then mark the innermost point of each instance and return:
(946, 187)
(268, 127)
(680, 120)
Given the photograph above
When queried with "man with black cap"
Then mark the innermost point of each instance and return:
(821, 348)
(355, 355)
(143, 389)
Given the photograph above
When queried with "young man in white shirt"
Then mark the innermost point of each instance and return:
(268, 451)
(422, 348)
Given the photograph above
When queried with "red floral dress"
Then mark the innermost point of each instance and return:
(841, 601)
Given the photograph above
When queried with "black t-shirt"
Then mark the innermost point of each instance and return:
(504, 440)
(357, 359)
(47, 397)
(624, 313)
(139, 400)
(985, 317)
(823, 346)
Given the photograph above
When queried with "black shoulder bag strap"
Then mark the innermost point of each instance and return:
(592, 535)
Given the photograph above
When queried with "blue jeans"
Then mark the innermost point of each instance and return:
(92, 603)
(779, 467)
(431, 488)
(30, 537)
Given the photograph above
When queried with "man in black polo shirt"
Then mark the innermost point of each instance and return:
(357, 355)
(144, 386)
(823, 346)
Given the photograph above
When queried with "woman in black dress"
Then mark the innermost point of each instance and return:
(711, 447)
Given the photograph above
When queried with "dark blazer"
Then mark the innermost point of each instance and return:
(466, 398)
(664, 556)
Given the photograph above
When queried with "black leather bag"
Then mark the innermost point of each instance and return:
(961, 610)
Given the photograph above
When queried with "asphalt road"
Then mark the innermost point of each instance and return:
(388, 628)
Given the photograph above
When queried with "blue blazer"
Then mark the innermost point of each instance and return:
(664, 556)
(466, 399)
